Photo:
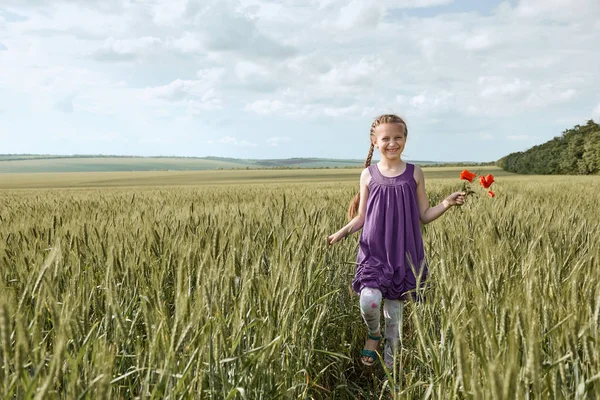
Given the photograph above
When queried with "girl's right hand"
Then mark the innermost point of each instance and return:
(334, 238)
(456, 199)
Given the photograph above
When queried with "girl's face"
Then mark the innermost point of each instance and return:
(390, 140)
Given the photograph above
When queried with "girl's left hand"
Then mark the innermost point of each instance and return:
(456, 199)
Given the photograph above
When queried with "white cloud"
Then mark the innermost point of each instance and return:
(352, 73)
(264, 107)
(197, 95)
(547, 95)
(224, 28)
(499, 86)
(179, 90)
(77, 19)
(359, 13)
(187, 43)
(501, 96)
(478, 42)
(404, 4)
(128, 49)
(349, 111)
(255, 76)
(537, 63)
(170, 12)
(247, 71)
(307, 64)
(418, 3)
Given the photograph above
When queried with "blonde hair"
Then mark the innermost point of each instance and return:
(382, 119)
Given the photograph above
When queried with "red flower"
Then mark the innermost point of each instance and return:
(486, 181)
(467, 175)
(491, 194)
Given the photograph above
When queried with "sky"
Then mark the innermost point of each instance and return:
(474, 79)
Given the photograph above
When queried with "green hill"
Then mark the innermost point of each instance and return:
(575, 152)
(107, 164)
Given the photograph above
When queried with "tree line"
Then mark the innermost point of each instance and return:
(575, 152)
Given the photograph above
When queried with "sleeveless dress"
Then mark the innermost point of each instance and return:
(391, 244)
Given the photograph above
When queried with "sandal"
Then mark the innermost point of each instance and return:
(370, 353)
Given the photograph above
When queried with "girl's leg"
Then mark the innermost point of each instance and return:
(393, 311)
(370, 302)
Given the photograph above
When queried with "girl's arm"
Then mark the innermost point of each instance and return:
(427, 213)
(358, 221)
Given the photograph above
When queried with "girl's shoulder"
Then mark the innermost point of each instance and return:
(365, 176)
(417, 173)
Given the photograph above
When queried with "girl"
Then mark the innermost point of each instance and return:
(390, 204)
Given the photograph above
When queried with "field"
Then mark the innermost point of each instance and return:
(200, 178)
(220, 285)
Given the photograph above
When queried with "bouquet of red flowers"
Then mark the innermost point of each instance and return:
(485, 181)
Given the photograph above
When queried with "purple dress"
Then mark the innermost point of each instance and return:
(391, 244)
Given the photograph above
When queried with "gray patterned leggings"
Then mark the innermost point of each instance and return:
(370, 303)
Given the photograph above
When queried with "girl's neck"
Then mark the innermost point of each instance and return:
(391, 164)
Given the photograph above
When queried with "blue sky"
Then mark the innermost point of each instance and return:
(475, 80)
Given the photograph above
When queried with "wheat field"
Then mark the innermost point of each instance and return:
(230, 291)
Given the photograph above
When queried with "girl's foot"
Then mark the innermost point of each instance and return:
(369, 353)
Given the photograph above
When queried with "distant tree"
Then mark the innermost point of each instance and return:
(576, 151)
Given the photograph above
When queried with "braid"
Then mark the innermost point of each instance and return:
(369, 156)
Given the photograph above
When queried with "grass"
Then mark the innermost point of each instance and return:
(230, 291)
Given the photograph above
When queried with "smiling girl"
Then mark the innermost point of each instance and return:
(390, 206)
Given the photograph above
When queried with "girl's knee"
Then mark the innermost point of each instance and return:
(393, 310)
(370, 299)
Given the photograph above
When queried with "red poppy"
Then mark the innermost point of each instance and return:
(467, 175)
(486, 181)
(491, 194)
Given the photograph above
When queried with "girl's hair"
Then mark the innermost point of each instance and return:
(382, 119)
